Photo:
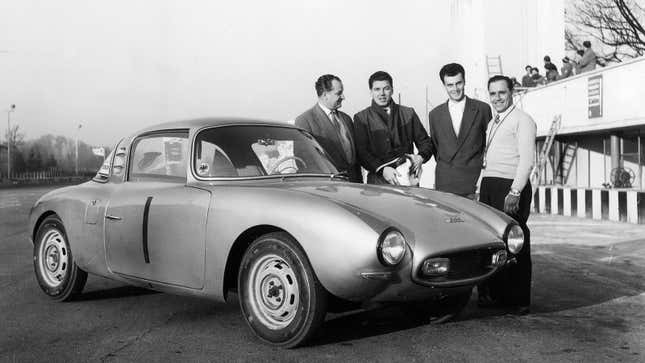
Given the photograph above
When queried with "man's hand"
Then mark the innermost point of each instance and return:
(417, 161)
(390, 175)
(511, 203)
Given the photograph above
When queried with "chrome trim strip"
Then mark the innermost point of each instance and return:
(381, 275)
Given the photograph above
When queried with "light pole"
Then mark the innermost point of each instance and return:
(11, 109)
(78, 130)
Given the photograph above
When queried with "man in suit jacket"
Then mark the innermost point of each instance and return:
(332, 128)
(458, 134)
(386, 134)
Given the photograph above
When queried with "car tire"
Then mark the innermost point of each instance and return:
(57, 273)
(280, 296)
(445, 309)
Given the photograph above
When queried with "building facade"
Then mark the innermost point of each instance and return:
(594, 167)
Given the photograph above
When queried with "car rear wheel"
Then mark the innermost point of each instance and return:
(439, 311)
(56, 271)
(281, 299)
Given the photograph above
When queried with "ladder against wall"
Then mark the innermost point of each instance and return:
(494, 65)
(567, 158)
(538, 169)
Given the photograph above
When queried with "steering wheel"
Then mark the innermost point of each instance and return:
(281, 161)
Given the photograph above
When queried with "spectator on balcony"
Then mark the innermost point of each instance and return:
(551, 70)
(527, 80)
(567, 68)
(588, 60)
(538, 79)
(515, 83)
(576, 62)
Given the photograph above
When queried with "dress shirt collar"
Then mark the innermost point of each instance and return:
(326, 110)
(505, 113)
(457, 104)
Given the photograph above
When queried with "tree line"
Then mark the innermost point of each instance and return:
(48, 152)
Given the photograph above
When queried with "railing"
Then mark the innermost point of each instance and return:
(49, 176)
(605, 98)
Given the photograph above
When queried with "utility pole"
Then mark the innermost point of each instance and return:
(78, 131)
(11, 109)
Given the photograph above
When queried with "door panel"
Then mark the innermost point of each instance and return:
(176, 232)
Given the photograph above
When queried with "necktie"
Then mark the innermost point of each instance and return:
(496, 118)
(343, 135)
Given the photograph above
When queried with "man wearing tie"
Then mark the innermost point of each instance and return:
(386, 134)
(458, 131)
(332, 128)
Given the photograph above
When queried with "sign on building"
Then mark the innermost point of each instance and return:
(594, 88)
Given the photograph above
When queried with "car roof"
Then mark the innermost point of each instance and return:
(210, 121)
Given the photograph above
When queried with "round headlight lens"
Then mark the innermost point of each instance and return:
(515, 239)
(391, 248)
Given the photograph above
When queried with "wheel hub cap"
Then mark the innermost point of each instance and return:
(54, 258)
(274, 291)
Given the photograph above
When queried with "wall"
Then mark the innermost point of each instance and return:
(623, 91)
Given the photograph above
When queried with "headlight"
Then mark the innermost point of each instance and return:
(514, 238)
(391, 247)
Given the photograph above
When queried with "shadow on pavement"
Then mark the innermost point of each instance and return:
(571, 276)
(363, 324)
(564, 277)
(114, 293)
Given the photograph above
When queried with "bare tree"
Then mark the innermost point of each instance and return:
(15, 137)
(616, 24)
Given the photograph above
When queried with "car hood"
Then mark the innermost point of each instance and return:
(448, 221)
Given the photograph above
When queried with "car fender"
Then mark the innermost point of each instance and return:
(338, 242)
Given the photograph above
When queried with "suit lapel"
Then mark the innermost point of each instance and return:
(446, 123)
(329, 131)
(467, 121)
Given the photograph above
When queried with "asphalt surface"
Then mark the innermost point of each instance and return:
(588, 305)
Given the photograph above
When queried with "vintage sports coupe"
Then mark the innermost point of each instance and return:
(211, 206)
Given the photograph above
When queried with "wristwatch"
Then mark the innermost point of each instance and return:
(514, 192)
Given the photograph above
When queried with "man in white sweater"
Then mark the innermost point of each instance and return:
(508, 161)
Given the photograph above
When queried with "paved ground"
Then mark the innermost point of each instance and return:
(589, 305)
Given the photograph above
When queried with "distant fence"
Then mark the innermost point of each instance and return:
(51, 176)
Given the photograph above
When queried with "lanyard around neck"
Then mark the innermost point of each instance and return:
(493, 132)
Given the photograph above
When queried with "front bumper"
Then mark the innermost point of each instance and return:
(469, 268)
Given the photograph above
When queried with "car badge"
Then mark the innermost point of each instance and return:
(454, 219)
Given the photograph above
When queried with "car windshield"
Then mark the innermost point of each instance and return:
(250, 151)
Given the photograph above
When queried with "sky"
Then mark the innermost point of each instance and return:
(119, 66)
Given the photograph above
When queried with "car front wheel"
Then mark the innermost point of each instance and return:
(281, 299)
(56, 271)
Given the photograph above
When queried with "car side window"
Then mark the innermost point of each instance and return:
(159, 157)
(211, 160)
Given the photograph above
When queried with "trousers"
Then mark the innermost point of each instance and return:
(512, 285)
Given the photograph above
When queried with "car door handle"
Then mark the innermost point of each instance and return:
(113, 218)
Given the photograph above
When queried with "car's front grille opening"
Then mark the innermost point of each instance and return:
(461, 265)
